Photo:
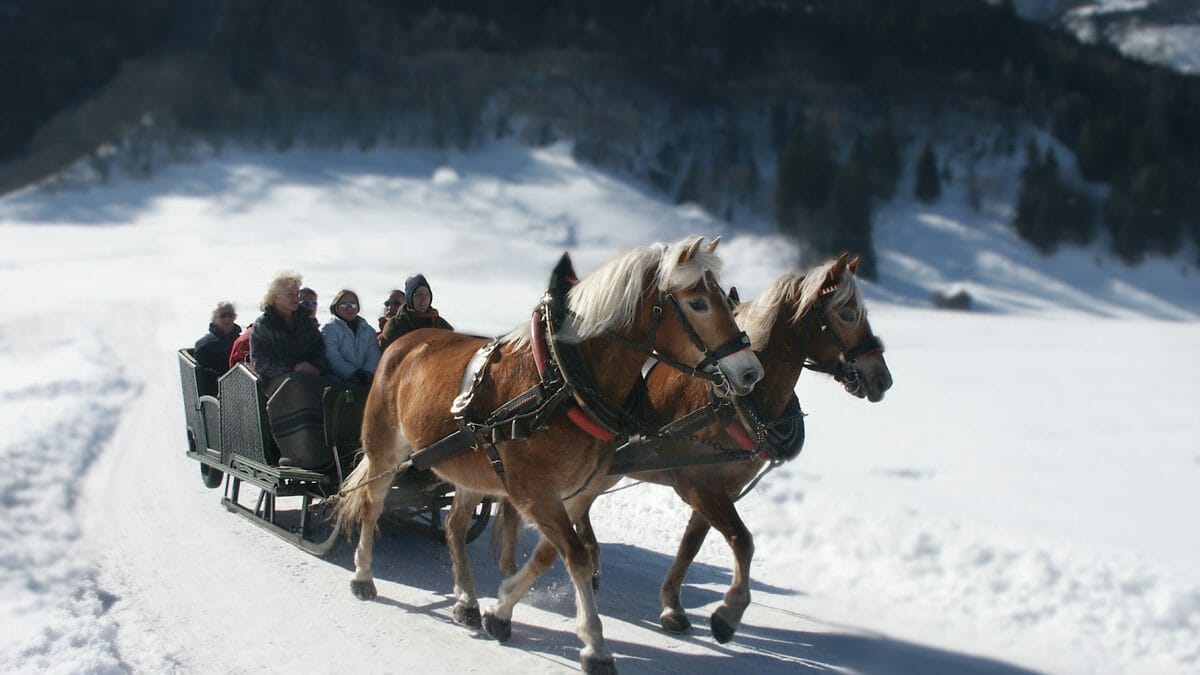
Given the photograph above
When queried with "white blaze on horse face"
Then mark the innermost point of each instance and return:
(742, 370)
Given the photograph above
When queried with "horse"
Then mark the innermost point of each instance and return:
(816, 321)
(613, 316)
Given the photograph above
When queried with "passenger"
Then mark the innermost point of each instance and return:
(289, 355)
(350, 342)
(212, 350)
(391, 307)
(308, 300)
(241, 348)
(417, 312)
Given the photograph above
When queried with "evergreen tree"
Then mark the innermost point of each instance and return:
(884, 163)
(816, 167)
(852, 211)
(929, 187)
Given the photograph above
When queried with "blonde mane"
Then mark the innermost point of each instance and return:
(608, 298)
(757, 318)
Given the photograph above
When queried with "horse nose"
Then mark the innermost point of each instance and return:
(751, 377)
(883, 382)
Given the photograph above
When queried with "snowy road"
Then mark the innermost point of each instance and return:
(1023, 499)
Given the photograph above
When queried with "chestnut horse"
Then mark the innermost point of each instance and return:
(817, 320)
(614, 315)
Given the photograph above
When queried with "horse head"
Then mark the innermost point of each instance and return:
(819, 320)
(839, 334)
(678, 312)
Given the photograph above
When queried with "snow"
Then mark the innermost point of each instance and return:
(1022, 500)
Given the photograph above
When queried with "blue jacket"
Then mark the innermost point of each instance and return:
(350, 347)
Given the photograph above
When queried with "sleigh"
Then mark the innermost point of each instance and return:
(229, 437)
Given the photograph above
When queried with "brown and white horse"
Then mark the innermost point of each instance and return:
(609, 313)
(820, 319)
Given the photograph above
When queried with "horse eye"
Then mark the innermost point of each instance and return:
(698, 304)
(848, 315)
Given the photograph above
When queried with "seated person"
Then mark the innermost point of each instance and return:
(391, 307)
(308, 300)
(289, 355)
(417, 312)
(241, 348)
(212, 350)
(350, 342)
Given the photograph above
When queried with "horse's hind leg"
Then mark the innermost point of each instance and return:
(719, 511)
(583, 526)
(506, 532)
(374, 493)
(462, 509)
(674, 618)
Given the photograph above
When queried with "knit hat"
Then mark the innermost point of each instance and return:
(412, 284)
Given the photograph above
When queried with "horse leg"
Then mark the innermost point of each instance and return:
(558, 536)
(506, 531)
(462, 510)
(373, 494)
(718, 509)
(674, 618)
(583, 527)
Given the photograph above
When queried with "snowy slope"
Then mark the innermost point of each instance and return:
(1023, 499)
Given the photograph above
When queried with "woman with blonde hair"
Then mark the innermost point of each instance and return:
(289, 355)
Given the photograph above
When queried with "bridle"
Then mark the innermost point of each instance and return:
(708, 368)
(846, 369)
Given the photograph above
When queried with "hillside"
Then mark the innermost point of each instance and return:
(796, 118)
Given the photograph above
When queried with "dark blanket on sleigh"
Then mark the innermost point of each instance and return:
(297, 420)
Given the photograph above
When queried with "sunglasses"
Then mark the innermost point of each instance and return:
(311, 304)
(347, 305)
(392, 303)
(227, 315)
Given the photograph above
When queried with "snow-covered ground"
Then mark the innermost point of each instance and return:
(1023, 500)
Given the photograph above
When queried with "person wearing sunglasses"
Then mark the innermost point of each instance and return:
(212, 350)
(391, 307)
(417, 312)
(350, 342)
(308, 300)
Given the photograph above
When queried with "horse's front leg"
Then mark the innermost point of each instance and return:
(720, 512)
(462, 510)
(674, 618)
(558, 538)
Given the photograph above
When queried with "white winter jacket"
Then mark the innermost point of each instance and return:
(348, 350)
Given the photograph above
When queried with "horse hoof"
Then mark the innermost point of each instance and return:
(675, 622)
(722, 630)
(363, 590)
(467, 616)
(498, 629)
(594, 665)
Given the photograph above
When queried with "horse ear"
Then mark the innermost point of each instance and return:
(853, 265)
(690, 252)
(733, 295)
(839, 265)
(712, 246)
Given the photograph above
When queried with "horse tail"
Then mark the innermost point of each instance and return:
(351, 498)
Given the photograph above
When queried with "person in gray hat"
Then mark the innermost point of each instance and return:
(418, 312)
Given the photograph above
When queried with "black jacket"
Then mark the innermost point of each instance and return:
(409, 320)
(276, 348)
(212, 350)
